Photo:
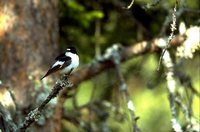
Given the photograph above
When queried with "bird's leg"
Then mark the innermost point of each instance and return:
(65, 81)
(70, 71)
(65, 77)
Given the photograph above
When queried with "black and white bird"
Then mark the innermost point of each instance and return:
(65, 62)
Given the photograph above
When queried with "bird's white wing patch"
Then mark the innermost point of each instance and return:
(57, 63)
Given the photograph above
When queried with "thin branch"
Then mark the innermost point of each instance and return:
(173, 28)
(130, 5)
(35, 114)
(168, 19)
(186, 107)
(115, 56)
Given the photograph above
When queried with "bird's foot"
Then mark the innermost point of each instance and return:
(65, 80)
(65, 77)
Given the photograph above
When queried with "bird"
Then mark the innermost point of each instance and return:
(65, 62)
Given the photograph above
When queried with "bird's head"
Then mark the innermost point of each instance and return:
(72, 50)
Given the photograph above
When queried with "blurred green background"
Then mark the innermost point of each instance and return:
(93, 26)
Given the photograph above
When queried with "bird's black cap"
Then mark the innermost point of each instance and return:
(71, 49)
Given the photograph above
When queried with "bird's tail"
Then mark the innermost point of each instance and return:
(44, 76)
(51, 70)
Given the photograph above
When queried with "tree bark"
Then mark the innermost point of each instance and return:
(28, 41)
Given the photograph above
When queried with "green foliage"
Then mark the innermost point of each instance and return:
(83, 95)
(79, 13)
(153, 108)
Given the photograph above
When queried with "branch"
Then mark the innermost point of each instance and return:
(173, 28)
(168, 18)
(100, 65)
(186, 108)
(35, 114)
(130, 5)
(171, 85)
(114, 55)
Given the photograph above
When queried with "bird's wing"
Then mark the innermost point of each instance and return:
(67, 61)
(58, 65)
(61, 57)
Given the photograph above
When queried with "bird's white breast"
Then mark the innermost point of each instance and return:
(74, 64)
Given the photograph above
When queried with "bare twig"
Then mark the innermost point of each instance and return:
(186, 107)
(35, 114)
(173, 28)
(130, 5)
(168, 19)
(115, 56)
